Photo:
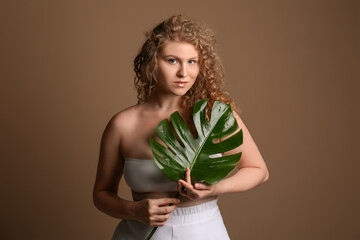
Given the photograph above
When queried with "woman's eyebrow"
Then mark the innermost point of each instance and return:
(174, 56)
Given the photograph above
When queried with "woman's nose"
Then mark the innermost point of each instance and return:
(182, 71)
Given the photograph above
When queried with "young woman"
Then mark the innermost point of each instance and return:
(176, 67)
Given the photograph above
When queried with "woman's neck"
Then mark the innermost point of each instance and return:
(164, 103)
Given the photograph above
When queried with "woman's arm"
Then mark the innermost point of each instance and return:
(252, 171)
(109, 172)
(153, 212)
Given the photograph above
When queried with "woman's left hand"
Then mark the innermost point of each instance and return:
(199, 190)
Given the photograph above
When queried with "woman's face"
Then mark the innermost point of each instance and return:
(178, 67)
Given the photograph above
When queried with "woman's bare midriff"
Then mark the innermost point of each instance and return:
(184, 202)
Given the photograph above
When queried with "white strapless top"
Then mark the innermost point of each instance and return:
(143, 175)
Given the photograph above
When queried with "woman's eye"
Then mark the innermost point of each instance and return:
(172, 61)
(192, 61)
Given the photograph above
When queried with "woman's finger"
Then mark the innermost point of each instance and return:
(190, 191)
(187, 175)
(187, 185)
(166, 210)
(165, 201)
(201, 186)
(181, 189)
(160, 220)
(184, 188)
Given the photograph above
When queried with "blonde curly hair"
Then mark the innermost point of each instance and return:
(211, 75)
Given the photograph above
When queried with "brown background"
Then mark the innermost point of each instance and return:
(293, 66)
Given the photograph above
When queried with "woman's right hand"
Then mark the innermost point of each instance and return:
(155, 212)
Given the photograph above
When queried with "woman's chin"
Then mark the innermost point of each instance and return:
(179, 92)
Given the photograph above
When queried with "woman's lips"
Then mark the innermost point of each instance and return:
(180, 84)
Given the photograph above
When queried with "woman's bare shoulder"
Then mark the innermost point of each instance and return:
(125, 118)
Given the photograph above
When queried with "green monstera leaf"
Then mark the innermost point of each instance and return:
(199, 154)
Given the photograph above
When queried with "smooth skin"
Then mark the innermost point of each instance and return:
(127, 136)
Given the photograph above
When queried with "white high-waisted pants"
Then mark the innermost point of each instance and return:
(200, 222)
